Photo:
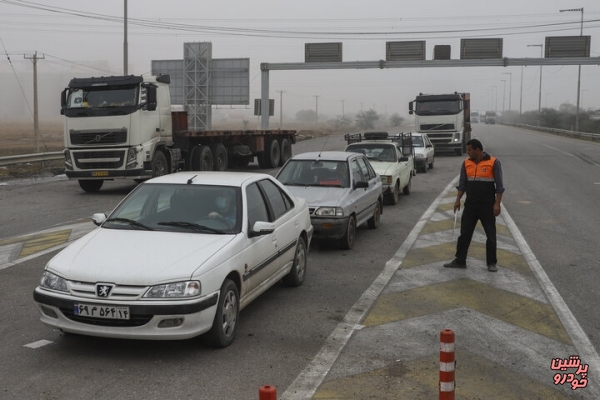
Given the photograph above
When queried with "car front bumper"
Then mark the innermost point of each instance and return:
(196, 316)
(329, 228)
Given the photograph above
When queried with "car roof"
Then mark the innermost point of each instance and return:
(219, 178)
(325, 155)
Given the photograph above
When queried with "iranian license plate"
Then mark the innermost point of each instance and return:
(97, 311)
(99, 173)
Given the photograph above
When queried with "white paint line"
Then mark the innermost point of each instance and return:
(584, 347)
(38, 344)
(306, 384)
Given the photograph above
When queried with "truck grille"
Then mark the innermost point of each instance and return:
(98, 138)
(436, 127)
(108, 159)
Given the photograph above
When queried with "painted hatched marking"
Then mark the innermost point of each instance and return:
(36, 243)
(497, 303)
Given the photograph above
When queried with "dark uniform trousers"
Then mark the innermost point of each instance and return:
(468, 222)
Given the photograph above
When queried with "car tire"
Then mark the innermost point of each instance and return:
(298, 272)
(431, 164)
(393, 197)
(347, 242)
(373, 222)
(406, 189)
(90, 185)
(225, 324)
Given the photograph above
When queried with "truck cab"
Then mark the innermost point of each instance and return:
(117, 127)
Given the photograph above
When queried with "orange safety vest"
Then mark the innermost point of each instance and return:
(481, 185)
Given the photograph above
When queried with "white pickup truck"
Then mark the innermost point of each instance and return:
(391, 156)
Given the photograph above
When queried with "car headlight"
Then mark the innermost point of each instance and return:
(174, 290)
(386, 179)
(54, 282)
(329, 212)
(420, 155)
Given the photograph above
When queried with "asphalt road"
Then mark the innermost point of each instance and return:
(552, 187)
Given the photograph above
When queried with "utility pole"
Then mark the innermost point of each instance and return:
(509, 90)
(521, 98)
(541, 46)
(36, 124)
(503, 94)
(317, 109)
(579, 71)
(125, 60)
(281, 92)
(343, 115)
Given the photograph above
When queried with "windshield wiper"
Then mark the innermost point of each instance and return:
(192, 226)
(130, 221)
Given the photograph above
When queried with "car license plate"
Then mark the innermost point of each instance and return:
(99, 173)
(97, 311)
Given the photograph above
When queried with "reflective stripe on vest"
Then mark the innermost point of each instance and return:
(480, 172)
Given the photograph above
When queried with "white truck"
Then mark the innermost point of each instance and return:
(123, 127)
(445, 118)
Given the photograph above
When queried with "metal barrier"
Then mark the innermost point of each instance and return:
(561, 132)
(31, 158)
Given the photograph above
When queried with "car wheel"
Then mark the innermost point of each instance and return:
(90, 186)
(225, 325)
(159, 164)
(431, 164)
(406, 189)
(373, 222)
(347, 242)
(296, 276)
(395, 195)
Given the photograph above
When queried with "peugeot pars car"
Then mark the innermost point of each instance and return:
(424, 151)
(180, 256)
(342, 189)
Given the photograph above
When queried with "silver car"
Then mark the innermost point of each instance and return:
(342, 189)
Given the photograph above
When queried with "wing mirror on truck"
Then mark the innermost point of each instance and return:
(151, 100)
(63, 101)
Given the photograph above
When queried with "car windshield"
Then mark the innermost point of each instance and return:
(417, 141)
(181, 208)
(315, 173)
(375, 151)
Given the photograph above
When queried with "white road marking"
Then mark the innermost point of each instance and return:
(38, 344)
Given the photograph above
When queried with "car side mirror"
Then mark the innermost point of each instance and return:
(403, 159)
(98, 218)
(361, 185)
(261, 228)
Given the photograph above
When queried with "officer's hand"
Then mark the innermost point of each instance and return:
(457, 205)
(497, 210)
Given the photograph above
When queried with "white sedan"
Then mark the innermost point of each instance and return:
(180, 256)
(424, 151)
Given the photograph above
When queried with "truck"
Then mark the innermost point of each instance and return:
(445, 118)
(490, 117)
(124, 127)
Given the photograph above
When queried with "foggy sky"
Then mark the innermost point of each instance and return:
(275, 31)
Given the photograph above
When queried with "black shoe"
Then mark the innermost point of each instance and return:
(455, 264)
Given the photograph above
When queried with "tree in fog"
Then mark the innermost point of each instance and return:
(340, 123)
(306, 116)
(366, 119)
(396, 119)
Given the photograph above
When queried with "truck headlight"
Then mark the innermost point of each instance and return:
(68, 161)
(131, 158)
(386, 179)
(457, 136)
(329, 212)
(174, 290)
(53, 282)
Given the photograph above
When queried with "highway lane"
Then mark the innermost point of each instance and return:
(283, 329)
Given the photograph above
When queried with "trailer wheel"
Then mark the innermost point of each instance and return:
(90, 186)
(286, 151)
(271, 156)
(201, 159)
(220, 159)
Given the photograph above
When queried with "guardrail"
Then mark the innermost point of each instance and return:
(32, 158)
(562, 132)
